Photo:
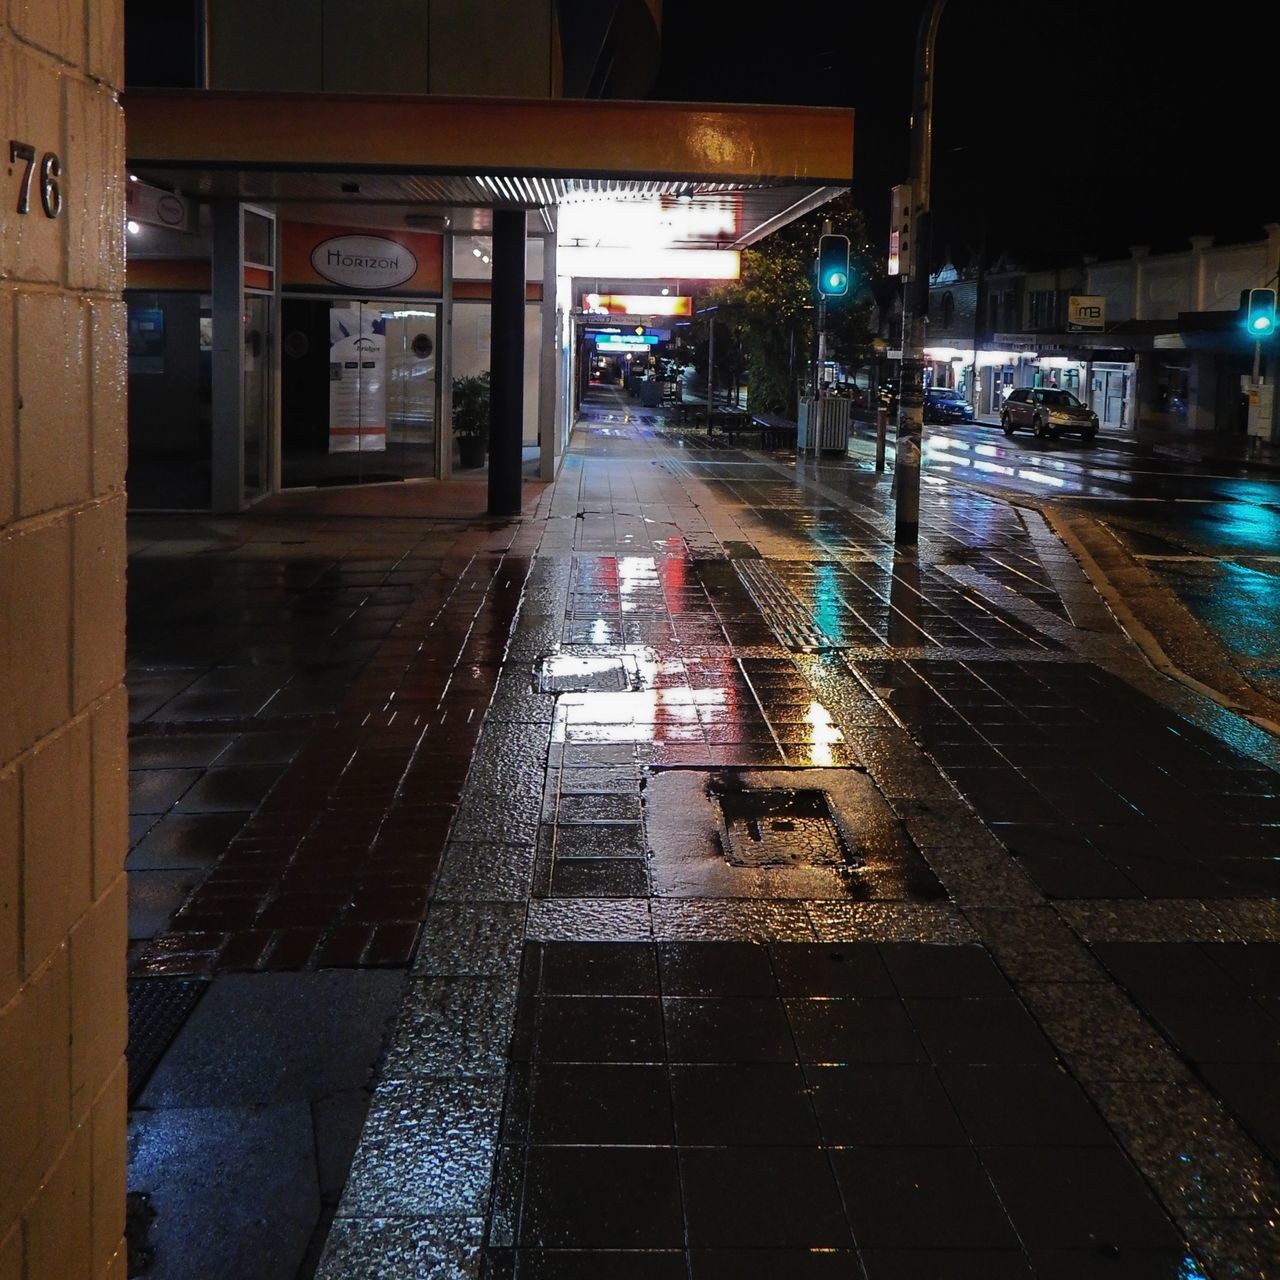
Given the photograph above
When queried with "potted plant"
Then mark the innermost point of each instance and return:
(471, 418)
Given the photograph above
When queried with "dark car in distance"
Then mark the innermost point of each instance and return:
(1049, 412)
(942, 404)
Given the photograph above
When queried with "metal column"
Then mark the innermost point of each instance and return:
(227, 370)
(506, 392)
(548, 419)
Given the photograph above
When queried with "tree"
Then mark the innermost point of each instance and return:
(772, 306)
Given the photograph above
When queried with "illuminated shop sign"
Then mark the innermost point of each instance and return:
(363, 262)
(625, 341)
(635, 304)
(1086, 311)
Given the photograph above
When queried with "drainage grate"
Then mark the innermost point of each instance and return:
(568, 673)
(157, 1009)
(780, 828)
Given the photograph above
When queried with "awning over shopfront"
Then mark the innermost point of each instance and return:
(554, 193)
(775, 162)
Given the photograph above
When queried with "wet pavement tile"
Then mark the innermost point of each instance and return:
(921, 1197)
(878, 1104)
(601, 1197)
(185, 841)
(954, 1264)
(1022, 1105)
(775, 1197)
(723, 968)
(158, 790)
(1077, 1197)
(593, 1104)
(782, 1067)
(231, 789)
(773, 1264)
(854, 1030)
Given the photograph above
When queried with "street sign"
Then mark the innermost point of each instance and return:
(900, 231)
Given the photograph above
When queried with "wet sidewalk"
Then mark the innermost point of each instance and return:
(803, 908)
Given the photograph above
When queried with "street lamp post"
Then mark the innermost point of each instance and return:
(915, 295)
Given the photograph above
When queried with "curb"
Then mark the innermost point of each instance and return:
(1138, 631)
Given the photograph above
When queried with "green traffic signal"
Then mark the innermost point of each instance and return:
(833, 266)
(1260, 314)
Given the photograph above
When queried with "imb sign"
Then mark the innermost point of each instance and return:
(1086, 311)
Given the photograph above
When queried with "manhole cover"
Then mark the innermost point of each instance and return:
(780, 828)
(568, 673)
(157, 1009)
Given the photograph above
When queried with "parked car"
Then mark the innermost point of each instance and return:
(943, 404)
(1049, 412)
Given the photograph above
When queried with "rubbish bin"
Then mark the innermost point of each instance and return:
(824, 425)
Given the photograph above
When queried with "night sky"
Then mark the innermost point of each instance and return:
(1059, 129)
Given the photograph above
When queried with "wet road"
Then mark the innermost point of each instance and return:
(1116, 473)
(1208, 532)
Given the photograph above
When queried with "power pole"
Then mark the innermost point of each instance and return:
(915, 294)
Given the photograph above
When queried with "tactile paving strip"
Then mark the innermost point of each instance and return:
(790, 621)
(157, 1009)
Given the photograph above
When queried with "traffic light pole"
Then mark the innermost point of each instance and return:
(821, 356)
(915, 295)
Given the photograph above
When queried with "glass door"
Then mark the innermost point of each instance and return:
(257, 392)
(410, 341)
(359, 391)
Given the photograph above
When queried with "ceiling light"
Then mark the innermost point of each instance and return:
(133, 227)
(475, 253)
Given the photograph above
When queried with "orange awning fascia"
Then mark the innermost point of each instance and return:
(696, 142)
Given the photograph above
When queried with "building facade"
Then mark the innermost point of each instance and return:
(63, 709)
(312, 262)
(1154, 341)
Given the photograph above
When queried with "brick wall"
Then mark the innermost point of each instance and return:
(62, 702)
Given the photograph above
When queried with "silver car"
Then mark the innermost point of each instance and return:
(1049, 412)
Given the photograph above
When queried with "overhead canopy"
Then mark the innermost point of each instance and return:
(772, 163)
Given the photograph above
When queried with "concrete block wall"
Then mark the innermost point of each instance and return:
(63, 711)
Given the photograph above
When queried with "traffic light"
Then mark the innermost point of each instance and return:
(833, 266)
(1260, 313)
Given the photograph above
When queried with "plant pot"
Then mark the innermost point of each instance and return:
(471, 451)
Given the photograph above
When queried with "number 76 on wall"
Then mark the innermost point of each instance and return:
(50, 176)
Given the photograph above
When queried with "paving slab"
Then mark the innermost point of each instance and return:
(258, 1039)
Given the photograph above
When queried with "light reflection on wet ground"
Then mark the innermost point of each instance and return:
(720, 1061)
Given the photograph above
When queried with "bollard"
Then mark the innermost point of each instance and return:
(882, 426)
